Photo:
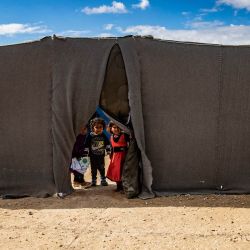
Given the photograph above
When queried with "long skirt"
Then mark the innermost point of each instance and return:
(115, 167)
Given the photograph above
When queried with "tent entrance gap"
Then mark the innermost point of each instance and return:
(114, 95)
(114, 103)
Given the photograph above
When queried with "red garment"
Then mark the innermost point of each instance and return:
(116, 164)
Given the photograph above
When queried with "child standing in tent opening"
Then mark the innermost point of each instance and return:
(119, 143)
(97, 142)
(78, 152)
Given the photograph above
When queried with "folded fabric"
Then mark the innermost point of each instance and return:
(80, 165)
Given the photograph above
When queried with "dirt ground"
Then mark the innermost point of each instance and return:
(99, 218)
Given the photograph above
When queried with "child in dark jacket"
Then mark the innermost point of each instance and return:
(78, 152)
(97, 142)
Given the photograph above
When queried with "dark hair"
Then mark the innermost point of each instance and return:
(95, 121)
(111, 124)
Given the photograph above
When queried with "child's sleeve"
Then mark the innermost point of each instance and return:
(74, 151)
(87, 144)
(83, 151)
(87, 141)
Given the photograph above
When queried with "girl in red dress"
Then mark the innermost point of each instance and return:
(119, 142)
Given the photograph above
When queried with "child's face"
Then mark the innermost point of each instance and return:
(84, 130)
(115, 130)
(98, 128)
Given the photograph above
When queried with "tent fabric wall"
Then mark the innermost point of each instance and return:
(78, 75)
(234, 129)
(129, 48)
(48, 89)
(195, 103)
(180, 102)
(189, 107)
(25, 121)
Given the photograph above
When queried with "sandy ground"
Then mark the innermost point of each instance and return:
(99, 218)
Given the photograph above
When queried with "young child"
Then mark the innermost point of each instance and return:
(119, 143)
(78, 152)
(96, 142)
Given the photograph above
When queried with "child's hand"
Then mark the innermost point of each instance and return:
(86, 151)
(108, 150)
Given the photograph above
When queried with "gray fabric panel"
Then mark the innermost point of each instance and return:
(234, 144)
(133, 71)
(25, 121)
(79, 70)
(180, 99)
(130, 173)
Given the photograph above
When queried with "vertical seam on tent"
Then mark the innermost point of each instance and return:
(51, 106)
(219, 121)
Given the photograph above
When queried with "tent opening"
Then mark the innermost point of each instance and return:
(114, 106)
(114, 95)
(114, 102)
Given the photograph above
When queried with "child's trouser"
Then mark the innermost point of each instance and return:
(119, 186)
(78, 177)
(97, 164)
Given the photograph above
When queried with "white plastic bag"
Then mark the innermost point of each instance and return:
(80, 165)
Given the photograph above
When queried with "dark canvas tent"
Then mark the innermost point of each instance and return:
(189, 105)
